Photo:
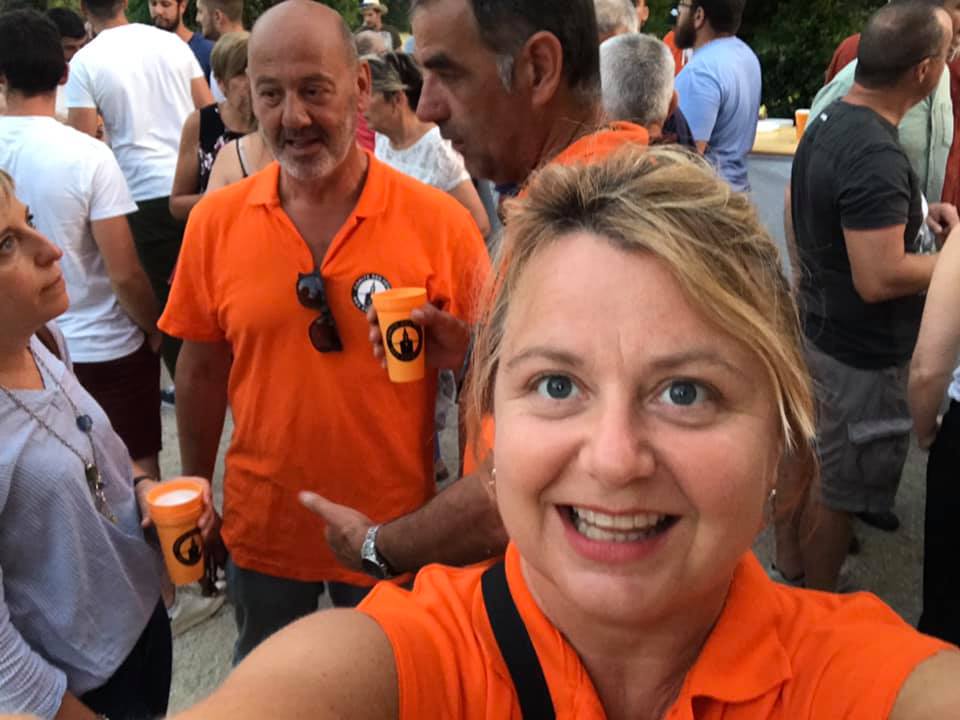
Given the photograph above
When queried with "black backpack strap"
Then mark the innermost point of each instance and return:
(515, 646)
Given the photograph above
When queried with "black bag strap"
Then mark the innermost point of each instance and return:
(515, 646)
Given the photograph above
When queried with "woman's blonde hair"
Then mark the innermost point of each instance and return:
(229, 56)
(670, 204)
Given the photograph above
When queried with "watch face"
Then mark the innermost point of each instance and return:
(372, 568)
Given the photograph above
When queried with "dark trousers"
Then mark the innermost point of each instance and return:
(264, 604)
(140, 688)
(158, 236)
(128, 391)
(941, 541)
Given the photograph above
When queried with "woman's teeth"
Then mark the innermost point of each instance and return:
(616, 528)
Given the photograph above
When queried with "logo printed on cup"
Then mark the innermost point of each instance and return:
(401, 345)
(194, 552)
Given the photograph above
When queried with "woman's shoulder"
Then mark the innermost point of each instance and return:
(445, 597)
(843, 655)
(438, 634)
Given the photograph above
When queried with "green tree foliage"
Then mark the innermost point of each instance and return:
(794, 41)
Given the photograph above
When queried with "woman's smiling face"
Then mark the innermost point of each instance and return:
(636, 444)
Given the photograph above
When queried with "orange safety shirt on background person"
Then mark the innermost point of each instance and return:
(776, 653)
(332, 423)
(678, 58)
(589, 148)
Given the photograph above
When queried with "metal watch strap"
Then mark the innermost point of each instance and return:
(370, 554)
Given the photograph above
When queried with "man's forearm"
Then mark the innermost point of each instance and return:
(459, 526)
(911, 276)
(201, 409)
(137, 300)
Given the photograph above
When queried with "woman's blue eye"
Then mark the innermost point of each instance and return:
(683, 393)
(556, 387)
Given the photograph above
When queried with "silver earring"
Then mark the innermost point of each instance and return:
(492, 482)
(771, 507)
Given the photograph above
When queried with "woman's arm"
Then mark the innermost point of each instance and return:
(931, 691)
(72, 709)
(28, 683)
(186, 181)
(335, 664)
(466, 194)
(938, 344)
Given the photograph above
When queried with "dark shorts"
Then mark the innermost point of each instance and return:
(863, 432)
(128, 390)
(140, 687)
(264, 604)
(158, 236)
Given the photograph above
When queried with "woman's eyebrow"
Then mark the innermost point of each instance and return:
(560, 357)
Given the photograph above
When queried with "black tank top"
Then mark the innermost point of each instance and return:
(213, 136)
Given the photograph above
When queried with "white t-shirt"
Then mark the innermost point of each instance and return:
(431, 160)
(69, 179)
(138, 77)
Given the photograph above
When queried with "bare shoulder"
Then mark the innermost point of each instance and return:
(332, 664)
(931, 692)
(226, 167)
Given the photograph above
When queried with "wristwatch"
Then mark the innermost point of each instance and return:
(373, 562)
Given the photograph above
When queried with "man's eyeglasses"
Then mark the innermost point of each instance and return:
(323, 330)
(675, 12)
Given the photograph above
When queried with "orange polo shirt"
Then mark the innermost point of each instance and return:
(331, 423)
(590, 148)
(776, 653)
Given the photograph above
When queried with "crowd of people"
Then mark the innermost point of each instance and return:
(641, 387)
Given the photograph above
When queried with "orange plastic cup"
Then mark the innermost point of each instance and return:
(175, 507)
(800, 117)
(404, 342)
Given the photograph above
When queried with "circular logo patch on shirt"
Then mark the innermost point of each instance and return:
(365, 287)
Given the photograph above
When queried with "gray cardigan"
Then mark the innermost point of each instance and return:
(76, 591)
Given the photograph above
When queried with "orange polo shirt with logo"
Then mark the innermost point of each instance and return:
(590, 148)
(332, 423)
(776, 653)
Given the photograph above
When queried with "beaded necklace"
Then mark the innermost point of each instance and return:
(85, 425)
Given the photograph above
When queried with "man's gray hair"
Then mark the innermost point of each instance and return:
(369, 42)
(636, 76)
(615, 16)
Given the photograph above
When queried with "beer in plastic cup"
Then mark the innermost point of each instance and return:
(175, 507)
(404, 342)
(800, 117)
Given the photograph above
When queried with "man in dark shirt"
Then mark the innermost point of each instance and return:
(168, 15)
(866, 255)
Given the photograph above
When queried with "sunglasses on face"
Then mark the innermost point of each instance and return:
(323, 330)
